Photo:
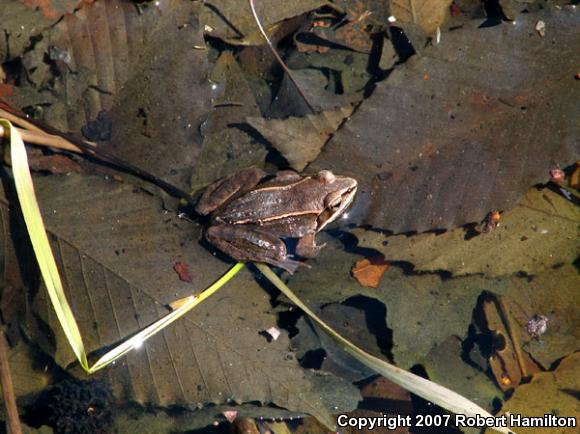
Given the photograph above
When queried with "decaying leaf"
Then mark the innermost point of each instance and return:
(54, 163)
(232, 20)
(381, 398)
(28, 375)
(115, 249)
(353, 29)
(427, 14)
(547, 392)
(375, 395)
(555, 295)
(53, 9)
(465, 128)
(368, 272)
(182, 271)
(534, 236)
(300, 140)
(447, 367)
(575, 176)
(244, 425)
(509, 363)
(20, 25)
(226, 148)
(145, 69)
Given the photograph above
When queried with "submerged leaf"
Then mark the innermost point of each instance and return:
(232, 20)
(368, 272)
(141, 73)
(465, 128)
(226, 148)
(427, 14)
(535, 236)
(300, 140)
(448, 367)
(547, 392)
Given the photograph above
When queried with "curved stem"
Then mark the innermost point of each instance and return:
(277, 56)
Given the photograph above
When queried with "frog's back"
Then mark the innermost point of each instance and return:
(270, 204)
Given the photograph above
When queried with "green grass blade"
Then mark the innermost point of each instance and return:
(422, 387)
(51, 277)
(137, 340)
(40, 243)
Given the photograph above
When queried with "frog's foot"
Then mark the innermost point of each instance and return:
(307, 247)
(287, 264)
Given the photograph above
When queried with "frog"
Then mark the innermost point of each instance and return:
(251, 214)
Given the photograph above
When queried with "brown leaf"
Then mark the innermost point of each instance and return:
(498, 110)
(534, 236)
(381, 398)
(182, 270)
(427, 14)
(244, 425)
(56, 163)
(300, 140)
(368, 272)
(575, 176)
(6, 90)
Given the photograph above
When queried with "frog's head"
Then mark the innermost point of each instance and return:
(341, 192)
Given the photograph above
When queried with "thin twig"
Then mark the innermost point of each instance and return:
(8, 388)
(278, 58)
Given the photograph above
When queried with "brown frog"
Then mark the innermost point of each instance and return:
(249, 216)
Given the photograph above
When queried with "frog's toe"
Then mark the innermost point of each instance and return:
(288, 264)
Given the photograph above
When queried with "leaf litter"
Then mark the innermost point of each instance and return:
(110, 57)
(466, 127)
(429, 312)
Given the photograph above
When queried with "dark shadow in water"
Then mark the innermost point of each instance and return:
(423, 408)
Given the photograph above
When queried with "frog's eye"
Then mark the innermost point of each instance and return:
(332, 200)
(326, 176)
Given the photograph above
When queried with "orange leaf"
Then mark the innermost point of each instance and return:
(183, 271)
(368, 272)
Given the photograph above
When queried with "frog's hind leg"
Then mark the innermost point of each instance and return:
(248, 243)
(227, 188)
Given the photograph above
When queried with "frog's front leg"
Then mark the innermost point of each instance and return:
(307, 247)
(249, 243)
